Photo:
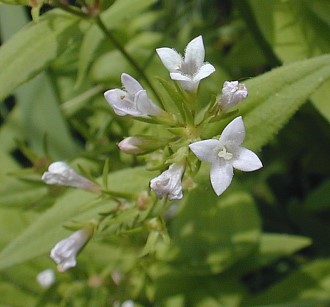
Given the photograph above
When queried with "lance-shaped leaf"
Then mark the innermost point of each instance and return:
(275, 96)
(33, 48)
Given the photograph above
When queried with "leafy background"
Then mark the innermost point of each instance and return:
(264, 242)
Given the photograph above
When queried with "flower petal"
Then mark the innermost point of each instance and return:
(221, 176)
(195, 52)
(234, 132)
(205, 70)
(145, 105)
(131, 85)
(246, 160)
(205, 150)
(121, 105)
(180, 77)
(170, 58)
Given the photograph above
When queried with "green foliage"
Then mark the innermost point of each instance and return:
(264, 242)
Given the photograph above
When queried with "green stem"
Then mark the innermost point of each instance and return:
(125, 54)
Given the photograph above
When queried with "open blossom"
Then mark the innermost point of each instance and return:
(169, 182)
(190, 69)
(225, 154)
(232, 93)
(59, 173)
(65, 251)
(132, 100)
(46, 278)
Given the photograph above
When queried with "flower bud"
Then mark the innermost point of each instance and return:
(137, 145)
(64, 252)
(46, 278)
(232, 93)
(169, 182)
(59, 173)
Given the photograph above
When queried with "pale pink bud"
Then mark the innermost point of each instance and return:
(232, 93)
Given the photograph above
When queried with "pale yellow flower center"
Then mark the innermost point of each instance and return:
(223, 153)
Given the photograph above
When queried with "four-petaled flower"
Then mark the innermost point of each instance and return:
(225, 154)
(232, 93)
(65, 251)
(169, 182)
(59, 173)
(133, 100)
(190, 69)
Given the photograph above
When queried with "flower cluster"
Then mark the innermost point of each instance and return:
(176, 147)
(223, 154)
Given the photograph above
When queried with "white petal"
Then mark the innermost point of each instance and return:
(206, 70)
(180, 77)
(120, 103)
(205, 150)
(170, 58)
(131, 85)
(234, 133)
(195, 52)
(246, 160)
(145, 106)
(221, 175)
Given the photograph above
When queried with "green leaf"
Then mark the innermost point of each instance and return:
(75, 205)
(311, 283)
(318, 200)
(12, 19)
(211, 234)
(321, 100)
(275, 96)
(42, 119)
(274, 246)
(34, 47)
(297, 30)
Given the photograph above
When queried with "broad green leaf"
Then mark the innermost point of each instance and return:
(75, 205)
(112, 17)
(309, 284)
(321, 100)
(29, 195)
(274, 246)
(12, 19)
(34, 47)
(42, 119)
(275, 96)
(210, 234)
(319, 200)
(297, 30)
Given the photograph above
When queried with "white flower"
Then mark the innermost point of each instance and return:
(169, 182)
(128, 303)
(225, 154)
(59, 173)
(190, 69)
(64, 252)
(46, 278)
(232, 93)
(133, 100)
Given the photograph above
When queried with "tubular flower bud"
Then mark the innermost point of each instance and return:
(60, 173)
(232, 93)
(137, 145)
(169, 182)
(65, 251)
